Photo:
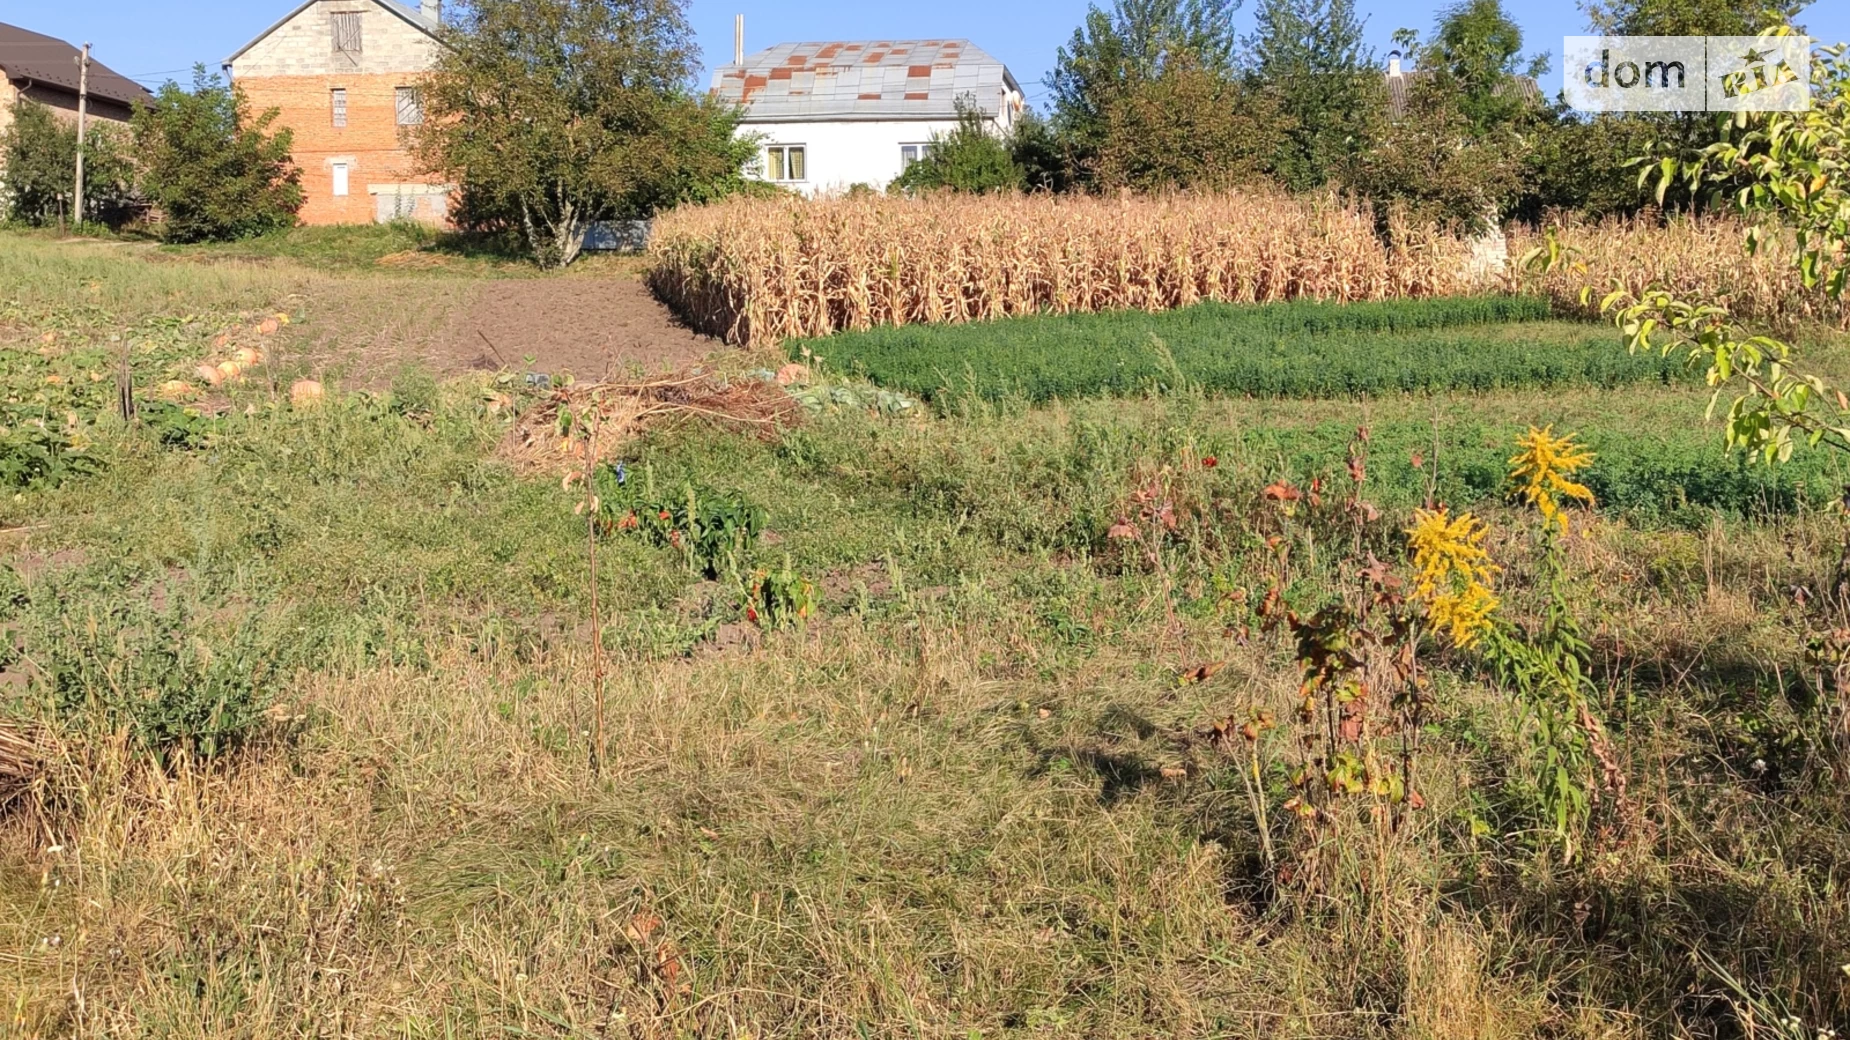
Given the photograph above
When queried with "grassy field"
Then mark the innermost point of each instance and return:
(1301, 349)
(968, 797)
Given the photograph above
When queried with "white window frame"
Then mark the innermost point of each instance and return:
(919, 149)
(342, 177)
(337, 103)
(777, 163)
(408, 106)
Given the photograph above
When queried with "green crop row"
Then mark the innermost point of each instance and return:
(1301, 349)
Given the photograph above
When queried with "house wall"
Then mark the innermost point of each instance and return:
(842, 153)
(296, 70)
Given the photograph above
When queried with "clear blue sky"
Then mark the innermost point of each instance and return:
(152, 40)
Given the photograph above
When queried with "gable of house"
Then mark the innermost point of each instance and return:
(343, 76)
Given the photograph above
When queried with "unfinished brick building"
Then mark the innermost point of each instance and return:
(344, 74)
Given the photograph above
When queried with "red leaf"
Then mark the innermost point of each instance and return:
(1283, 492)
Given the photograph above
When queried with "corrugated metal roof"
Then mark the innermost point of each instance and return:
(26, 55)
(866, 79)
(1399, 87)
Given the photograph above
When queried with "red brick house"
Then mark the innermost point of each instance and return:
(344, 76)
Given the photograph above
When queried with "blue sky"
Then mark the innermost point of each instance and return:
(152, 40)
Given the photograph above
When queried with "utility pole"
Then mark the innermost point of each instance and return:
(83, 104)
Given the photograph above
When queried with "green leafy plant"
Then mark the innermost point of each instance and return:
(34, 455)
(779, 599)
(120, 666)
(215, 170)
(714, 531)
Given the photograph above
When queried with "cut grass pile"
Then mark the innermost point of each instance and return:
(1300, 349)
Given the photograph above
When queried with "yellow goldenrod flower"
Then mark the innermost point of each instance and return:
(1453, 574)
(1544, 470)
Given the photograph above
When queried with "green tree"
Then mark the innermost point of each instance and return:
(1041, 153)
(1187, 127)
(1687, 17)
(1582, 163)
(550, 115)
(38, 154)
(213, 170)
(1434, 166)
(1115, 51)
(1478, 46)
(1309, 55)
(970, 158)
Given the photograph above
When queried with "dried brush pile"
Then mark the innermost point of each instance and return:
(1697, 258)
(21, 759)
(559, 432)
(758, 271)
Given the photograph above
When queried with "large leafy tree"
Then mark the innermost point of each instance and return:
(212, 169)
(550, 115)
(1118, 50)
(1310, 56)
(1187, 127)
(38, 154)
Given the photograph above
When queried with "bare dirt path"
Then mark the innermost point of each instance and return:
(589, 327)
(364, 330)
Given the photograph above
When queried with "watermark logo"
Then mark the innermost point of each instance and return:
(1687, 73)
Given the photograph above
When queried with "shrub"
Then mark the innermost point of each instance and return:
(214, 170)
(116, 665)
(970, 159)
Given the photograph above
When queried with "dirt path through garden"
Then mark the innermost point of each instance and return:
(363, 331)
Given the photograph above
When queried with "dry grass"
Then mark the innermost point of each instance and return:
(1697, 258)
(557, 431)
(756, 272)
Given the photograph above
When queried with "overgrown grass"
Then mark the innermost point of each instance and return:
(1301, 349)
(971, 797)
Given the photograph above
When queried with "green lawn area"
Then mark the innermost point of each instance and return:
(1301, 349)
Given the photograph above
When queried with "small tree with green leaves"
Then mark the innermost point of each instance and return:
(38, 157)
(1792, 167)
(551, 115)
(213, 169)
(970, 158)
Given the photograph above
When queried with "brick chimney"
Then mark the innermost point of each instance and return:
(1393, 60)
(432, 9)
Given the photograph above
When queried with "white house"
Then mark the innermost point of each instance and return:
(832, 115)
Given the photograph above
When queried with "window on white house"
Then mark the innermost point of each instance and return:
(340, 178)
(410, 106)
(338, 98)
(911, 153)
(784, 162)
(347, 32)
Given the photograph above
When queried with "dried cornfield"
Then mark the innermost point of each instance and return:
(758, 271)
(1696, 258)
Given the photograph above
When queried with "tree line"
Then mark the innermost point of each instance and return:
(1163, 95)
